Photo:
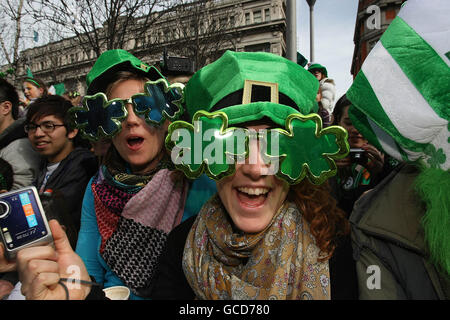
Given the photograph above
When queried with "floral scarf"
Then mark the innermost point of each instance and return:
(280, 262)
(135, 213)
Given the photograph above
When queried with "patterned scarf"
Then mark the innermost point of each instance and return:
(134, 215)
(280, 262)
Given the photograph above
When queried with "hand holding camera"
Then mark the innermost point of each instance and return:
(42, 268)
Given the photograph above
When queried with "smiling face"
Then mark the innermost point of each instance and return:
(251, 196)
(138, 143)
(31, 91)
(54, 145)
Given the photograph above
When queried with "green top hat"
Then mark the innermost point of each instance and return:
(113, 61)
(246, 86)
(317, 66)
(249, 86)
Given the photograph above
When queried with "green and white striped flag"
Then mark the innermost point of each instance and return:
(402, 93)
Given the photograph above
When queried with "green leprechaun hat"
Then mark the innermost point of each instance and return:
(112, 61)
(241, 87)
(251, 85)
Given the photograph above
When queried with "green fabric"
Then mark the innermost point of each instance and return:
(436, 220)
(256, 111)
(29, 73)
(362, 96)
(429, 74)
(59, 89)
(115, 60)
(301, 60)
(228, 74)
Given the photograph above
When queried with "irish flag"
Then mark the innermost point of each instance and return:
(401, 96)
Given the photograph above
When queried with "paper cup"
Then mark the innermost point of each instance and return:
(117, 293)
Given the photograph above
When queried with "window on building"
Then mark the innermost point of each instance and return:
(201, 28)
(247, 18)
(223, 22)
(262, 47)
(232, 21)
(266, 14)
(257, 18)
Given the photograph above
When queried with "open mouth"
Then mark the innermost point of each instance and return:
(252, 197)
(135, 142)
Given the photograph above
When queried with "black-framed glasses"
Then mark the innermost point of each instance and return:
(46, 127)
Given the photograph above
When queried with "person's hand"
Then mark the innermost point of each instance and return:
(5, 288)
(41, 268)
(375, 159)
(5, 265)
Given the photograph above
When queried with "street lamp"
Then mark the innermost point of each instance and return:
(291, 30)
(311, 29)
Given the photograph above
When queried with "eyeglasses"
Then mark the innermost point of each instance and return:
(46, 127)
(100, 117)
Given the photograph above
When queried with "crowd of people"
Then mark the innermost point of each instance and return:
(357, 206)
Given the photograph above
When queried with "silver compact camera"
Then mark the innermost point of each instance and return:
(22, 221)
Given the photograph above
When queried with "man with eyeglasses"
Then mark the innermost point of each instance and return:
(67, 165)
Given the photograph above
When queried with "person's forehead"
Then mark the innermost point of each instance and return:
(45, 118)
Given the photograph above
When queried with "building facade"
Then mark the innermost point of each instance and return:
(374, 16)
(204, 34)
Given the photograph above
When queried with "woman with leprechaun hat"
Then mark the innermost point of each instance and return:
(136, 197)
(273, 231)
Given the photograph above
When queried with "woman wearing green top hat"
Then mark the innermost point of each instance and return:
(272, 231)
(136, 198)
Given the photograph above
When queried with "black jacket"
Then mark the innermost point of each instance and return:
(68, 184)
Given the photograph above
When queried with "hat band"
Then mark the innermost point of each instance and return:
(259, 94)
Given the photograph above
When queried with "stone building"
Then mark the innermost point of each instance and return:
(371, 22)
(244, 25)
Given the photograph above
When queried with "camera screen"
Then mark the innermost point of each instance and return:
(21, 221)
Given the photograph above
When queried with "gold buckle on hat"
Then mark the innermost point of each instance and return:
(247, 94)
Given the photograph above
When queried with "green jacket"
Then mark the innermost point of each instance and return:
(388, 242)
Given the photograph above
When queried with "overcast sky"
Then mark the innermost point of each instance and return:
(334, 26)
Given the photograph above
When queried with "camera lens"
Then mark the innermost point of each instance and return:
(4, 209)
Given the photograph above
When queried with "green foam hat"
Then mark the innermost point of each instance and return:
(113, 61)
(241, 87)
(248, 86)
(317, 66)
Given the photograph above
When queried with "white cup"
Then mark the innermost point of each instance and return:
(117, 293)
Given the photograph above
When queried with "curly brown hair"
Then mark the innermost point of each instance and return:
(327, 221)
